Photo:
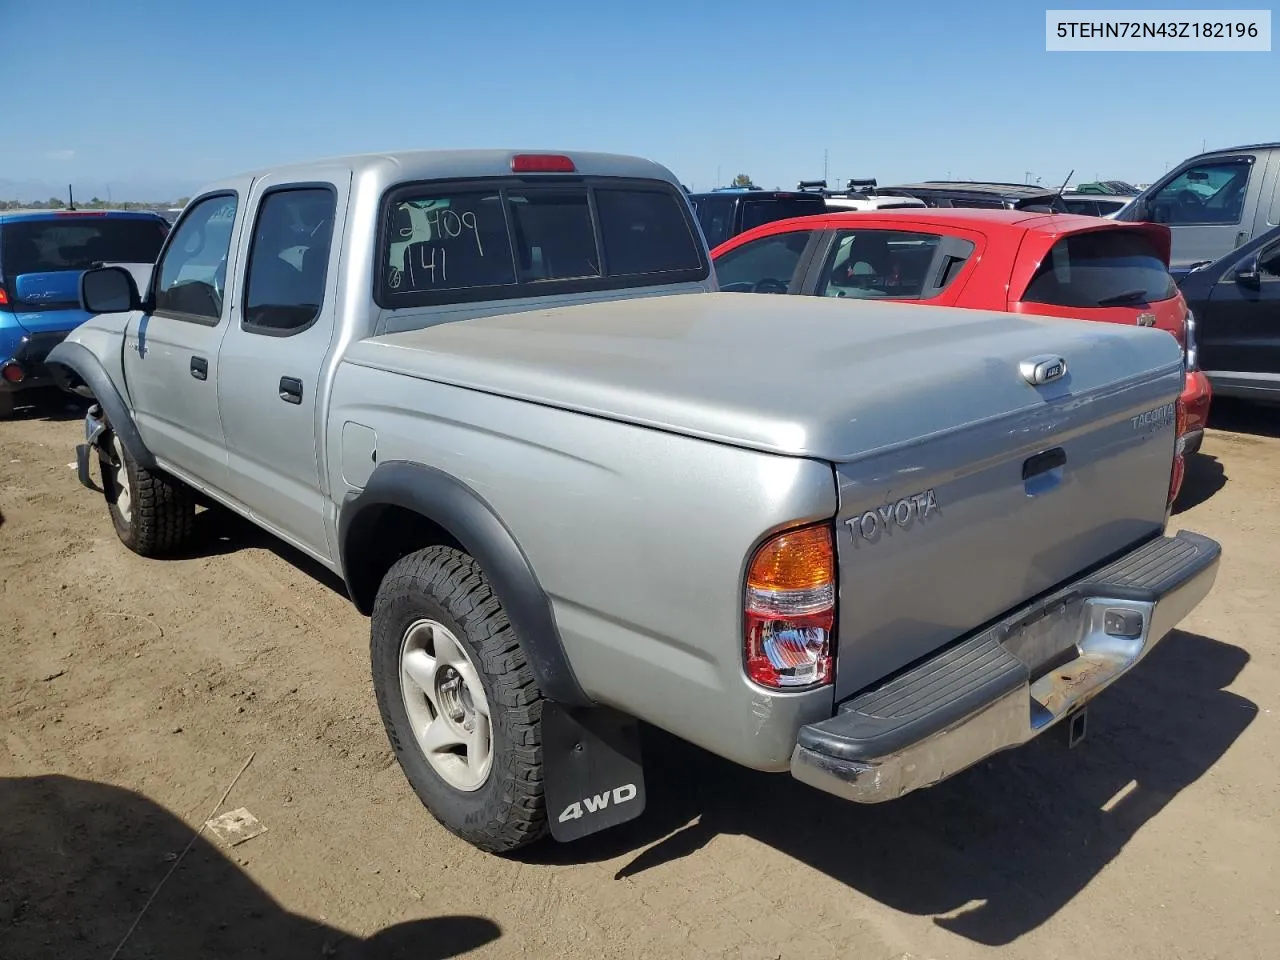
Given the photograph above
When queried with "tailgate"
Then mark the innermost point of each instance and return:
(940, 536)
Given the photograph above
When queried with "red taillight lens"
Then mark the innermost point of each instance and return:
(541, 163)
(4, 297)
(1179, 471)
(13, 372)
(790, 607)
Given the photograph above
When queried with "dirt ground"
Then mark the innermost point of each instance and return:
(132, 692)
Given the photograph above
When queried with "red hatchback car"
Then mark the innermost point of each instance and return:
(1017, 261)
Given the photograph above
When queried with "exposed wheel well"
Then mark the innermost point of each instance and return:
(379, 537)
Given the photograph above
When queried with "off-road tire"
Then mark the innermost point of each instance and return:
(439, 583)
(162, 509)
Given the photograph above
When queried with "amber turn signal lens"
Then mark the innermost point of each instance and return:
(797, 560)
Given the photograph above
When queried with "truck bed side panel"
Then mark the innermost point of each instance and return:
(639, 537)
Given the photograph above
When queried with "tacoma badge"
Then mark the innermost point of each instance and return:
(902, 513)
(1155, 419)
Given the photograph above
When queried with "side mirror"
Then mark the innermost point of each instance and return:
(109, 290)
(1249, 273)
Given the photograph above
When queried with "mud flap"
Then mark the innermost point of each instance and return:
(94, 428)
(591, 763)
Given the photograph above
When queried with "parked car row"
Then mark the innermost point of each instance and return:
(578, 482)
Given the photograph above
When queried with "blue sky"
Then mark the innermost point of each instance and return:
(156, 97)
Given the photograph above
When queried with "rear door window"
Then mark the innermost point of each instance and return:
(1104, 268)
(289, 260)
(511, 240)
(892, 264)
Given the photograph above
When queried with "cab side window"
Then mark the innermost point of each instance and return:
(1207, 193)
(289, 260)
(193, 272)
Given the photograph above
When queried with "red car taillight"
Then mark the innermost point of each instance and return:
(1179, 471)
(790, 608)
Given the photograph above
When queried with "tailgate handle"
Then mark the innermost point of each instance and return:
(1043, 462)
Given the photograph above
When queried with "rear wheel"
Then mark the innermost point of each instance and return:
(459, 702)
(152, 512)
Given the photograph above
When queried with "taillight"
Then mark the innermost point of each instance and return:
(1189, 341)
(1179, 471)
(4, 297)
(13, 372)
(790, 608)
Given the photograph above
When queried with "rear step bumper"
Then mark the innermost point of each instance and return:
(1010, 682)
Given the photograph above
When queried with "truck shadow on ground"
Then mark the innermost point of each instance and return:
(991, 854)
(78, 861)
(1205, 477)
(218, 531)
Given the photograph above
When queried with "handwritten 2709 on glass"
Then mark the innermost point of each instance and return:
(1158, 31)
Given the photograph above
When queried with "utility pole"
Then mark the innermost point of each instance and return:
(824, 165)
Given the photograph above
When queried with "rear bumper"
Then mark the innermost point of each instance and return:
(29, 356)
(1010, 682)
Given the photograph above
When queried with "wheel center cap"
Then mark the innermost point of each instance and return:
(452, 696)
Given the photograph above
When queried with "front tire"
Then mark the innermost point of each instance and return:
(153, 513)
(458, 699)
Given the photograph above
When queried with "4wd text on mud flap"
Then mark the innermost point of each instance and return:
(902, 513)
(597, 803)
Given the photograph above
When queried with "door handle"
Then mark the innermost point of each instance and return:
(1241, 237)
(290, 389)
(200, 368)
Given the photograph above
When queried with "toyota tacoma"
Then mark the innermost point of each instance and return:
(577, 487)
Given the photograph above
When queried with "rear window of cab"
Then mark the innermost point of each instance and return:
(501, 240)
(1102, 268)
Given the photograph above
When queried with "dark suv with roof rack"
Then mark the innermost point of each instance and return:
(970, 193)
(728, 211)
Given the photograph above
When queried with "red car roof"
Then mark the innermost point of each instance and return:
(1049, 226)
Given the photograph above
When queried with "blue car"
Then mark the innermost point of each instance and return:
(42, 255)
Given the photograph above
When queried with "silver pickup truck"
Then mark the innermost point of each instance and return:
(576, 487)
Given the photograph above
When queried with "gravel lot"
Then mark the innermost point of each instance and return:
(132, 692)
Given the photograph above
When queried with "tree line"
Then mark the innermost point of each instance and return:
(96, 203)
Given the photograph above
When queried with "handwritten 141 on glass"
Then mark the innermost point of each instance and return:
(446, 225)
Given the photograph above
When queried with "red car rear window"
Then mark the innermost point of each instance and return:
(1105, 268)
